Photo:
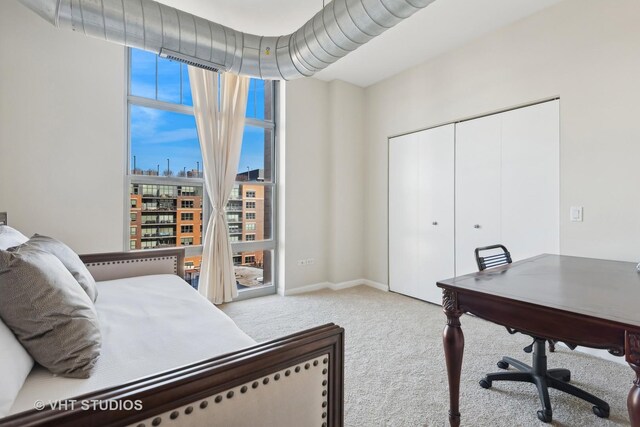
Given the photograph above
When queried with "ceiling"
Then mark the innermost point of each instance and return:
(440, 27)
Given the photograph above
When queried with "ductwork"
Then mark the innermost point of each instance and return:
(339, 28)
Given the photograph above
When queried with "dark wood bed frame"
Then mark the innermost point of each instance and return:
(189, 384)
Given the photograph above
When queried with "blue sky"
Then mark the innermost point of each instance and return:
(159, 134)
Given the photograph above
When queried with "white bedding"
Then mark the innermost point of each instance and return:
(149, 324)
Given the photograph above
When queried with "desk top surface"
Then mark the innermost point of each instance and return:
(594, 287)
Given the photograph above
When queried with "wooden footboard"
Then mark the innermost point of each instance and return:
(196, 394)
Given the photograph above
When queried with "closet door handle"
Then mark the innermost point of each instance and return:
(476, 226)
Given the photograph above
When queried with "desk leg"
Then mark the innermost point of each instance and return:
(633, 400)
(453, 341)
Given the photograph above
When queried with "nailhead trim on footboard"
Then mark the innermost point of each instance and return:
(184, 414)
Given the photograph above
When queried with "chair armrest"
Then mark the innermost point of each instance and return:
(121, 265)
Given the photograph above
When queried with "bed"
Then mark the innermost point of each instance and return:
(170, 357)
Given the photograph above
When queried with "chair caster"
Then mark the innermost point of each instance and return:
(601, 412)
(486, 384)
(502, 364)
(546, 416)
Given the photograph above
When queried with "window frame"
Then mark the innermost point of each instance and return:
(270, 244)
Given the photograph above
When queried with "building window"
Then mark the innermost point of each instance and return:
(250, 215)
(132, 244)
(186, 229)
(250, 259)
(165, 163)
(186, 241)
(250, 237)
(250, 226)
(133, 216)
(250, 205)
(133, 231)
(234, 238)
(187, 191)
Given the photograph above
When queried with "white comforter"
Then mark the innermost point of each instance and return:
(149, 324)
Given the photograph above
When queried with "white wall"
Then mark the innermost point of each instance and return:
(347, 182)
(306, 182)
(585, 52)
(62, 130)
(324, 183)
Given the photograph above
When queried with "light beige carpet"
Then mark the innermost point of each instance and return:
(394, 363)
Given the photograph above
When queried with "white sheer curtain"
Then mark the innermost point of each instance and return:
(220, 122)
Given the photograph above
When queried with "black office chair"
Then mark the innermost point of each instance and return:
(537, 374)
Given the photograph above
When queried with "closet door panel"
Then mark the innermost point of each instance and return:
(477, 188)
(530, 180)
(436, 210)
(403, 214)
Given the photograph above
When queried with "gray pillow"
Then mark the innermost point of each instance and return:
(48, 311)
(70, 260)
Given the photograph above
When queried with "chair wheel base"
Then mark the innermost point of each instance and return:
(502, 364)
(486, 384)
(566, 378)
(601, 412)
(545, 416)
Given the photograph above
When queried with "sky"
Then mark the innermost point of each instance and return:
(158, 135)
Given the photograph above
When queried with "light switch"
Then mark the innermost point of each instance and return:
(576, 214)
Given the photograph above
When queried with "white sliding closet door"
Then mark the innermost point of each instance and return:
(421, 212)
(531, 180)
(477, 189)
(508, 183)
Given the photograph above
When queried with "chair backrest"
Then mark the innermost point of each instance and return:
(493, 260)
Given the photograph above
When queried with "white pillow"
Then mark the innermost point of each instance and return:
(10, 237)
(15, 365)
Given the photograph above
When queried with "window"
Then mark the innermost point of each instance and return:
(250, 259)
(250, 226)
(250, 237)
(250, 215)
(132, 244)
(133, 231)
(234, 238)
(165, 172)
(187, 191)
(250, 205)
(235, 193)
(133, 216)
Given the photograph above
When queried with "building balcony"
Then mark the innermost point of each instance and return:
(159, 236)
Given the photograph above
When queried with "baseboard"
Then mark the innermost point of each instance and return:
(333, 286)
(376, 285)
(307, 288)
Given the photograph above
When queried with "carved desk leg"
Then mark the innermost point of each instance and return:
(453, 341)
(632, 351)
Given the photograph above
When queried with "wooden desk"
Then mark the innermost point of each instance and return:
(588, 302)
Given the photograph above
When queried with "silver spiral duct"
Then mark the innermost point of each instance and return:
(339, 28)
